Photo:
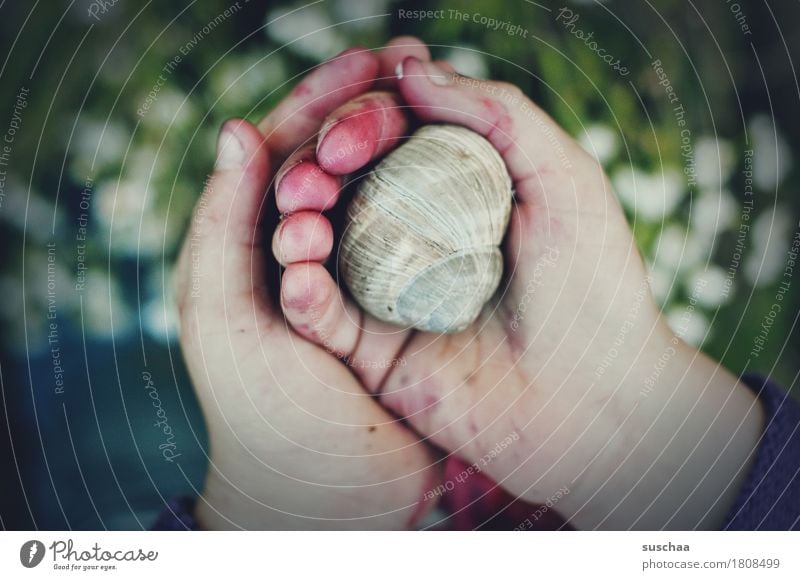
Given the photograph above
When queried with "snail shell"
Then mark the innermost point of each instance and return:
(421, 242)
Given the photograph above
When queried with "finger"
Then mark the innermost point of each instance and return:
(301, 184)
(360, 131)
(444, 65)
(308, 187)
(303, 237)
(532, 144)
(393, 54)
(316, 309)
(311, 303)
(295, 119)
(221, 256)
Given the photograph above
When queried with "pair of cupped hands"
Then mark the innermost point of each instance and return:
(322, 417)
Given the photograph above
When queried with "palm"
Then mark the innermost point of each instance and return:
(525, 368)
(295, 441)
(522, 367)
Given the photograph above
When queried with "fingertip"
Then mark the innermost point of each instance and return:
(395, 51)
(517, 128)
(303, 237)
(414, 70)
(304, 288)
(306, 153)
(233, 196)
(437, 95)
(411, 65)
(306, 186)
(296, 289)
(359, 131)
(334, 82)
(240, 145)
(410, 75)
(347, 145)
(243, 129)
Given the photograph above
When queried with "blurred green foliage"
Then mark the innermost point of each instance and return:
(90, 79)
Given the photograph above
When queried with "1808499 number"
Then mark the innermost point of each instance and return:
(756, 563)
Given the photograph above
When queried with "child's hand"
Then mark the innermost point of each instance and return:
(295, 440)
(574, 363)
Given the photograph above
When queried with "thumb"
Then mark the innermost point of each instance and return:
(222, 263)
(533, 146)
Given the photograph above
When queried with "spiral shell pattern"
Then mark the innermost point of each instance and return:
(421, 243)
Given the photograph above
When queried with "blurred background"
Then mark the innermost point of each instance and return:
(110, 112)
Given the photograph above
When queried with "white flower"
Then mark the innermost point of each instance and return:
(689, 323)
(600, 141)
(713, 211)
(467, 61)
(710, 286)
(650, 197)
(105, 312)
(664, 192)
(309, 32)
(769, 242)
(626, 180)
(171, 108)
(130, 223)
(714, 161)
(675, 249)
(96, 145)
(772, 158)
(122, 202)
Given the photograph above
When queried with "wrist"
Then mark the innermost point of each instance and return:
(683, 451)
(243, 492)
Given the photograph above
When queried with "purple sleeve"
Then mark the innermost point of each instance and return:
(770, 498)
(177, 515)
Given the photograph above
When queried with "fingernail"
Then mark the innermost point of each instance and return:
(230, 151)
(398, 70)
(436, 75)
(284, 169)
(323, 132)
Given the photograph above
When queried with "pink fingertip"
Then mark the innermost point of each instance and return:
(360, 131)
(348, 144)
(306, 154)
(303, 237)
(302, 288)
(306, 186)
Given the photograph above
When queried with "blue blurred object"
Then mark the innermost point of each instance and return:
(89, 458)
